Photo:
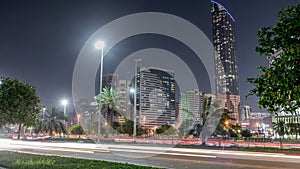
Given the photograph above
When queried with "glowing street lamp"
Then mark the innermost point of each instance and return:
(64, 102)
(78, 117)
(99, 45)
(135, 89)
(132, 90)
(44, 109)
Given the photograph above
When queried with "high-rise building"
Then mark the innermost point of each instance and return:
(155, 97)
(123, 102)
(191, 103)
(245, 113)
(108, 80)
(232, 104)
(226, 67)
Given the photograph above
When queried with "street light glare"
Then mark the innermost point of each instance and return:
(99, 45)
(64, 102)
(132, 90)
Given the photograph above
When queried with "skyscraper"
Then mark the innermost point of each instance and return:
(155, 97)
(226, 67)
(191, 103)
(224, 44)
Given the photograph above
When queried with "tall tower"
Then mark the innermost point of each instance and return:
(224, 44)
(191, 103)
(155, 97)
(226, 67)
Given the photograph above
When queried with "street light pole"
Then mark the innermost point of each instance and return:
(100, 45)
(64, 102)
(78, 117)
(135, 91)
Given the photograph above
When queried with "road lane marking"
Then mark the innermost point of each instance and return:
(164, 153)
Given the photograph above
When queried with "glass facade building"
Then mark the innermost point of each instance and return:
(225, 57)
(155, 97)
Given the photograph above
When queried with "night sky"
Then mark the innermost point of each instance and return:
(40, 40)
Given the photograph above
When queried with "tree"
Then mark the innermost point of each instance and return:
(52, 121)
(232, 133)
(280, 129)
(225, 124)
(126, 128)
(140, 131)
(246, 133)
(108, 100)
(77, 129)
(278, 86)
(206, 108)
(165, 129)
(19, 103)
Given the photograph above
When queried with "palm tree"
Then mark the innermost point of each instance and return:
(108, 99)
(52, 121)
(224, 123)
(206, 108)
(280, 129)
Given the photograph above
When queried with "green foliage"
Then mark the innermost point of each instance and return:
(52, 121)
(166, 129)
(232, 133)
(126, 128)
(77, 129)
(206, 108)
(278, 86)
(19, 103)
(108, 100)
(141, 132)
(246, 133)
(40, 163)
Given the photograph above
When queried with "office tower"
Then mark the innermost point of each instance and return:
(108, 80)
(123, 102)
(155, 97)
(245, 113)
(226, 68)
(191, 103)
(224, 43)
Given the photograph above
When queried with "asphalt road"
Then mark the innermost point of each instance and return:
(159, 156)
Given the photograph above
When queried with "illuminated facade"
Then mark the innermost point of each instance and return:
(226, 67)
(155, 97)
(191, 103)
(224, 43)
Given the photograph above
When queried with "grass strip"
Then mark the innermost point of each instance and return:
(14, 160)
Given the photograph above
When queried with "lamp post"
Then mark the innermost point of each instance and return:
(64, 102)
(78, 117)
(135, 91)
(100, 46)
(44, 109)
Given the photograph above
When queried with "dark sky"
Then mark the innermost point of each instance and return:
(40, 40)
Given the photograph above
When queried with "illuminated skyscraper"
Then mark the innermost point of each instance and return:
(191, 103)
(224, 44)
(155, 97)
(226, 67)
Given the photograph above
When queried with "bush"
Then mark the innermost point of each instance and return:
(246, 133)
(77, 129)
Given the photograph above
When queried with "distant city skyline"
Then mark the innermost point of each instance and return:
(40, 41)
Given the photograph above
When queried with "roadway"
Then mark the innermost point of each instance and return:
(159, 156)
